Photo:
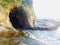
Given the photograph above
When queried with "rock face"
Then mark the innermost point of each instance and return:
(21, 19)
(21, 14)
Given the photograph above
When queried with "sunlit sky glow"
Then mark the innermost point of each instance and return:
(47, 8)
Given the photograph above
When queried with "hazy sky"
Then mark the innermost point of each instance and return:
(47, 8)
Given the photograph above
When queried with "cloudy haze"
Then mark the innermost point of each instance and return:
(47, 8)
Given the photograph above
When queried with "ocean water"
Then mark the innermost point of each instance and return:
(46, 37)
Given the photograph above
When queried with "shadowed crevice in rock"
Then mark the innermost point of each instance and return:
(19, 18)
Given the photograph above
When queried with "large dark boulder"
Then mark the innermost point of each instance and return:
(20, 18)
